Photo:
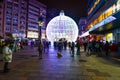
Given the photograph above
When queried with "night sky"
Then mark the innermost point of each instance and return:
(73, 8)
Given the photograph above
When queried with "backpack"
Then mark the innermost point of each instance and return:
(97, 45)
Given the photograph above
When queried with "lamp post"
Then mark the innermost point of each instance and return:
(40, 24)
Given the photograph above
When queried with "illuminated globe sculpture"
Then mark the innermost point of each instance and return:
(62, 27)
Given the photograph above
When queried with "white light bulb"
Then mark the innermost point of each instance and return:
(62, 27)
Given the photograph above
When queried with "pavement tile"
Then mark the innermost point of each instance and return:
(27, 66)
(99, 78)
(113, 78)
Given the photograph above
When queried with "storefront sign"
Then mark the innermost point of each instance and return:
(105, 21)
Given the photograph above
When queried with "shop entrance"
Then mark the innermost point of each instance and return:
(118, 37)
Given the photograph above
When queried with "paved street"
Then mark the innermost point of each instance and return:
(27, 66)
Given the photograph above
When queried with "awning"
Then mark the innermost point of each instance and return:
(108, 24)
(84, 34)
(105, 21)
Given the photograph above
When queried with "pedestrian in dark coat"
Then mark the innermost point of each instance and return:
(72, 49)
(78, 47)
(60, 46)
(106, 48)
(85, 46)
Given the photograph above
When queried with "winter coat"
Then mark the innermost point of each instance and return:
(7, 54)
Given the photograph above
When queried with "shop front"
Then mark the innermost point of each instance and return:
(110, 32)
(109, 37)
(32, 34)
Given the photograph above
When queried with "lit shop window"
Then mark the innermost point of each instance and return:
(109, 11)
(32, 34)
(109, 37)
(118, 5)
(105, 15)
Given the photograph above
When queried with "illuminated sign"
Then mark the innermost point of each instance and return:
(105, 21)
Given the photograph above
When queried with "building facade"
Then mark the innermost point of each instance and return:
(103, 20)
(35, 10)
(82, 25)
(1, 19)
(20, 16)
(14, 18)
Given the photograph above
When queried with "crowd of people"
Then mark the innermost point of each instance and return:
(96, 47)
(64, 44)
(90, 47)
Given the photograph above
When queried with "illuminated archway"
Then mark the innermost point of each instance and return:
(62, 27)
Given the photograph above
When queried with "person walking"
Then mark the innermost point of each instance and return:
(85, 46)
(97, 47)
(72, 49)
(7, 57)
(40, 48)
(60, 47)
(78, 46)
(106, 48)
(89, 46)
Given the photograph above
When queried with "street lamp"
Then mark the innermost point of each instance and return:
(40, 24)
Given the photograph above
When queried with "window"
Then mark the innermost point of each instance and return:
(22, 22)
(8, 24)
